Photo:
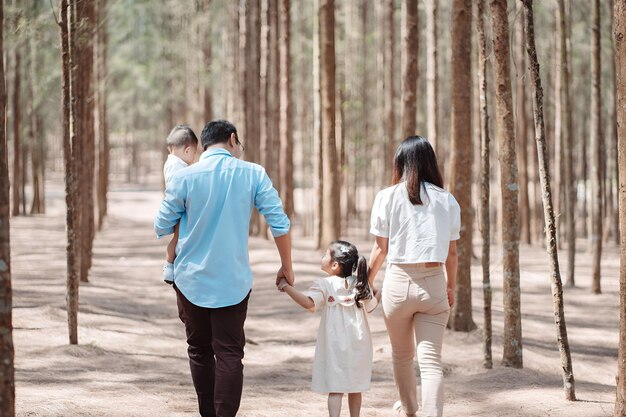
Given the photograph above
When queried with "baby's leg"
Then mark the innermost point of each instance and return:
(354, 404)
(334, 404)
(170, 253)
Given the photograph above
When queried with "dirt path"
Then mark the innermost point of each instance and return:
(132, 361)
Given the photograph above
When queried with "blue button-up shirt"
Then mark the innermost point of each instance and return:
(213, 200)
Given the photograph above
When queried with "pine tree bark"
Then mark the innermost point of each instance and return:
(70, 147)
(205, 41)
(389, 82)
(36, 138)
(432, 72)
(410, 46)
(85, 129)
(7, 370)
(555, 274)
(522, 132)
(569, 203)
(286, 119)
(269, 94)
(596, 149)
(331, 226)
(18, 195)
(484, 184)
(619, 33)
(462, 157)
(512, 351)
(317, 129)
(102, 179)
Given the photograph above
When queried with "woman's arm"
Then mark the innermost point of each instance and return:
(377, 257)
(451, 265)
(301, 299)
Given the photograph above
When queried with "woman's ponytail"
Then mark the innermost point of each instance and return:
(362, 282)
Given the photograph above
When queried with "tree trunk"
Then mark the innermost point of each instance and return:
(596, 149)
(555, 275)
(268, 94)
(18, 196)
(390, 98)
(431, 72)
(205, 41)
(286, 120)
(557, 168)
(102, 184)
(331, 226)
(36, 136)
(83, 81)
(462, 157)
(569, 204)
(619, 28)
(614, 218)
(512, 352)
(522, 132)
(317, 129)
(70, 147)
(7, 370)
(410, 46)
(484, 183)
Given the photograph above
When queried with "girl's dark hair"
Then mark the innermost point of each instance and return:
(347, 256)
(416, 162)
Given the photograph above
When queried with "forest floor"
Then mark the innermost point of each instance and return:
(132, 360)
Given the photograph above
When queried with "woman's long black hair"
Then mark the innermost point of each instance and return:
(347, 256)
(415, 161)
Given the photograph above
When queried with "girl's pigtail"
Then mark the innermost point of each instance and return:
(362, 283)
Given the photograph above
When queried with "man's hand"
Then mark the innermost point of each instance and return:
(286, 273)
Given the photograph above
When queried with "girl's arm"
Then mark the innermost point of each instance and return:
(302, 299)
(377, 257)
(451, 266)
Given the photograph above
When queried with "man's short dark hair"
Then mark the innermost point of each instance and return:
(182, 135)
(217, 131)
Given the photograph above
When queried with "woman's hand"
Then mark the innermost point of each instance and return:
(451, 296)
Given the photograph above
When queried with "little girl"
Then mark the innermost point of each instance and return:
(343, 353)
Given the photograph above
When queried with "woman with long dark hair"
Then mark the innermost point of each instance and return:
(416, 224)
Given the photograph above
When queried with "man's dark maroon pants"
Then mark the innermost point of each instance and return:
(216, 340)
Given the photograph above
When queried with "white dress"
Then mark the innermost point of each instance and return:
(343, 353)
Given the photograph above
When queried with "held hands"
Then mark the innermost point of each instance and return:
(285, 273)
(282, 284)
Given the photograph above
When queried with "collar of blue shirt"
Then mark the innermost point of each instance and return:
(214, 151)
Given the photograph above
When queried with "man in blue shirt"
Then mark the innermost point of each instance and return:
(213, 200)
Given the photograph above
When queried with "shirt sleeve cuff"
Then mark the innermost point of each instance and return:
(380, 233)
(455, 236)
(163, 232)
(278, 232)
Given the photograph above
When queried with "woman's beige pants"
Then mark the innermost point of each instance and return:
(415, 303)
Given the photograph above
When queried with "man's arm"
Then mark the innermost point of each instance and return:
(270, 206)
(283, 244)
(171, 209)
(452, 262)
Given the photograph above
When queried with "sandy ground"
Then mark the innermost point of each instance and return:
(131, 360)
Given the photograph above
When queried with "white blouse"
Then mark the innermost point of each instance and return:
(417, 233)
